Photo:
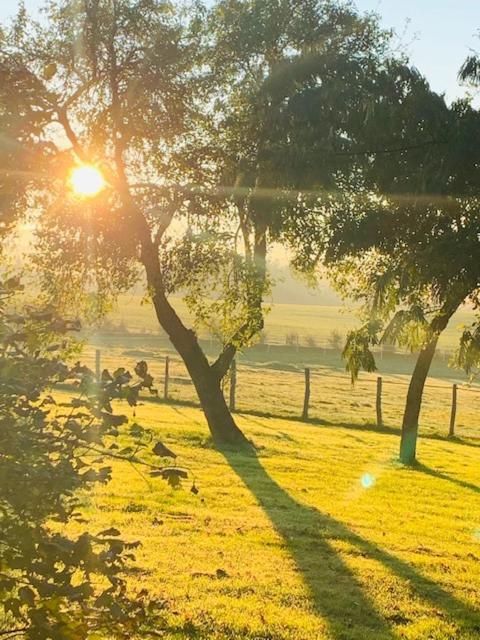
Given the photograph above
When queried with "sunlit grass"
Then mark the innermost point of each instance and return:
(316, 321)
(293, 543)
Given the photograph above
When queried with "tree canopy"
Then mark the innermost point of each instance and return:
(206, 124)
(219, 132)
(409, 251)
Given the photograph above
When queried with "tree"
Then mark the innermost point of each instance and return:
(202, 128)
(470, 70)
(410, 257)
(54, 585)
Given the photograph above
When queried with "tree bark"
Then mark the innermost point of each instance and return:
(408, 442)
(206, 379)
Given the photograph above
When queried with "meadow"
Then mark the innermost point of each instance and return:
(270, 376)
(315, 533)
(307, 321)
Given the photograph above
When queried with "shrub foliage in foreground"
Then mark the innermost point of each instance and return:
(52, 585)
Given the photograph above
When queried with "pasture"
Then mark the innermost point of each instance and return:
(270, 377)
(317, 533)
(315, 321)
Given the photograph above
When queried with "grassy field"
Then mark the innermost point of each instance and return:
(270, 380)
(305, 320)
(318, 534)
(270, 377)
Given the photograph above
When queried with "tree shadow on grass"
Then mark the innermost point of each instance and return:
(364, 427)
(336, 593)
(445, 476)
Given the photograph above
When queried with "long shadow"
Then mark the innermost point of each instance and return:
(335, 592)
(368, 427)
(444, 476)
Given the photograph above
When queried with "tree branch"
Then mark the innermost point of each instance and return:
(70, 133)
(382, 150)
(13, 632)
(224, 360)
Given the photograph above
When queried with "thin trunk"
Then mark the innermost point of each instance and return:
(408, 443)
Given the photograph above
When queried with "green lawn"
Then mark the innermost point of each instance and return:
(286, 543)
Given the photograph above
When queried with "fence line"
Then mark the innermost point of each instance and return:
(304, 383)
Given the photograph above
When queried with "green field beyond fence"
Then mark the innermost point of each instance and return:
(307, 322)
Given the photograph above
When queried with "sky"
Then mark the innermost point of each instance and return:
(438, 34)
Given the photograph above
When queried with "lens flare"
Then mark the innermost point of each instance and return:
(86, 181)
(367, 481)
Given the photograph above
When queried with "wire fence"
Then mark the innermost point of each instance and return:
(317, 394)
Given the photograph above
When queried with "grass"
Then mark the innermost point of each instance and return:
(284, 542)
(271, 377)
(267, 383)
(316, 321)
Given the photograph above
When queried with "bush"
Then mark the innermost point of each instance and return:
(335, 340)
(53, 586)
(311, 342)
(291, 339)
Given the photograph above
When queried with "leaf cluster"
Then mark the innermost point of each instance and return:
(54, 584)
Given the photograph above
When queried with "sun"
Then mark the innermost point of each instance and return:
(86, 180)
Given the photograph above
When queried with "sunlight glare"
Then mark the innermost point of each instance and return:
(86, 180)
(367, 481)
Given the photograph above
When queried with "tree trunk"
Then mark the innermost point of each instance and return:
(220, 420)
(205, 378)
(408, 443)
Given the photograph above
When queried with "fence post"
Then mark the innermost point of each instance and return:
(98, 370)
(165, 382)
(453, 414)
(379, 402)
(306, 399)
(233, 384)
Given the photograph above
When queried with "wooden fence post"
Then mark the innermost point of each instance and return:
(306, 399)
(233, 384)
(98, 369)
(167, 374)
(453, 414)
(379, 402)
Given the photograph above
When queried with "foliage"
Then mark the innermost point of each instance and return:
(357, 351)
(292, 339)
(468, 354)
(53, 585)
(335, 340)
(205, 124)
(238, 105)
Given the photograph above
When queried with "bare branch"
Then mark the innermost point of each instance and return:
(70, 133)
